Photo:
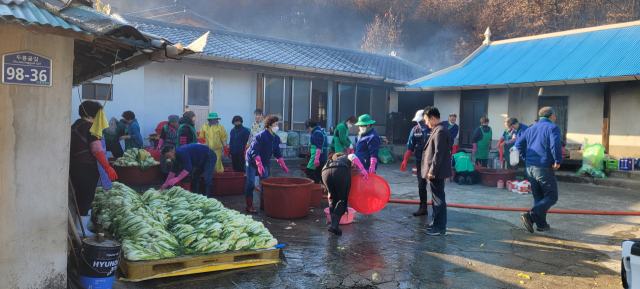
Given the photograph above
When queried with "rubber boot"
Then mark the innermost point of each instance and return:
(335, 218)
(250, 208)
(422, 211)
(85, 220)
(261, 202)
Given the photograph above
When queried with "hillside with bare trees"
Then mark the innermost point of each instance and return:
(432, 33)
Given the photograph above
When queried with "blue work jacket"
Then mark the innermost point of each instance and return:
(265, 145)
(541, 144)
(418, 138)
(238, 140)
(190, 156)
(368, 147)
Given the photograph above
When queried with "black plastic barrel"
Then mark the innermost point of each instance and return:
(98, 263)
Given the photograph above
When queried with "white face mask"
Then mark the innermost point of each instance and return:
(275, 129)
(349, 125)
(363, 129)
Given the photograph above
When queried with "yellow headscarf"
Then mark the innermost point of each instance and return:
(99, 123)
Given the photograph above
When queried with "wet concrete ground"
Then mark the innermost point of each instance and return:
(483, 249)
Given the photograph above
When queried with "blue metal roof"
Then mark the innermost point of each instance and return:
(610, 52)
(27, 13)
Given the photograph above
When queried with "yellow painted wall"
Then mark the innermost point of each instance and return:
(34, 166)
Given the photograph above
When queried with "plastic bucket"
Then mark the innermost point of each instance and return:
(500, 184)
(286, 198)
(414, 171)
(316, 195)
(136, 176)
(98, 263)
(347, 218)
(228, 184)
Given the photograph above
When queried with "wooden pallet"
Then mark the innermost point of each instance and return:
(192, 264)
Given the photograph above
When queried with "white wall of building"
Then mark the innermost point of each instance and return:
(498, 109)
(34, 166)
(448, 102)
(624, 135)
(156, 91)
(585, 105)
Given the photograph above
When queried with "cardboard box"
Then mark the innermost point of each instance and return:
(575, 155)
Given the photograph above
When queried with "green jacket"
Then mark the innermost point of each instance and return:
(462, 162)
(341, 139)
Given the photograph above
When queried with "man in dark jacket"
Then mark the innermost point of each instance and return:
(436, 166)
(238, 138)
(417, 138)
(541, 148)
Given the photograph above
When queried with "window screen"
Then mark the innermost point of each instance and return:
(363, 101)
(273, 95)
(301, 102)
(379, 109)
(198, 91)
(97, 91)
(347, 101)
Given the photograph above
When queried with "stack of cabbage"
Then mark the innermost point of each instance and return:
(163, 224)
(136, 158)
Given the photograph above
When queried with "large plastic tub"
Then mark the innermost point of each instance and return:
(316, 195)
(490, 177)
(286, 198)
(228, 184)
(136, 176)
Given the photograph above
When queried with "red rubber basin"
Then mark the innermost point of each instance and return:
(160, 127)
(490, 177)
(155, 154)
(228, 184)
(228, 170)
(286, 198)
(135, 176)
(316, 195)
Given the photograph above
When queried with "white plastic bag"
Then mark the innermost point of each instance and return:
(514, 157)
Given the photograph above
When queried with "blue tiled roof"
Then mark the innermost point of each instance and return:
(612, 51)
(245, 46)
(27, 13)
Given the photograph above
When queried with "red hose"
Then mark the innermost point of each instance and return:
(522, 209)
(492, 208)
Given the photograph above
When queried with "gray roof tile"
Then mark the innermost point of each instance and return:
(274, 50)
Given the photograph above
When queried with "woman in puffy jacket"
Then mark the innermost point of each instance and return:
(187, 129)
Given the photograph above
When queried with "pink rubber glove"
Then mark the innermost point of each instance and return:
(372, 166)
(475, 148)
(166, 183)
(259, 165)
(363, 172)
(283, 166)
(183, 140)
(316, 161)
(181, 176)
(160, 143)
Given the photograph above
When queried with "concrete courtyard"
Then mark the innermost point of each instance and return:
(483, 249)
